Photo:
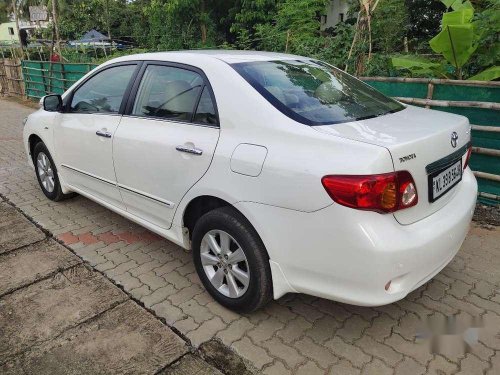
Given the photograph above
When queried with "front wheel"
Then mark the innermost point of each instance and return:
(46, 173)
(231, 260)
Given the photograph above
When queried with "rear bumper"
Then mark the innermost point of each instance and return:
(349, 255)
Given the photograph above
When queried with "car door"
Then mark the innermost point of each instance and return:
(165, 141)
(84, 135)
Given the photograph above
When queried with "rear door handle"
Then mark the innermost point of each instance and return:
(189, 150)
(104, 134)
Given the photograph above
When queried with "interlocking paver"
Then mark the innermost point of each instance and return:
(186, 325)
(381, 327)
(253, 353)
(381, 351)
(318, 353)
(353, 328)
(235, 331)
(417, 350)
(471, 365)
(265, 330)
(287, 354)
(323, 329)
(198, 312)
(440, 366)
(206, 331)
(158, 295)
(377, 367)
(294, 329)
(349, 352)
(277, 368)
(185, 294)
(309, 368)
(345, 368)
(167, 311)
(409, 366)
(161, 275)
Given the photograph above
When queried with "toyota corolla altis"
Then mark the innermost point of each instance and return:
(281, 173)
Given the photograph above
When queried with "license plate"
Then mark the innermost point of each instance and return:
(442, 181)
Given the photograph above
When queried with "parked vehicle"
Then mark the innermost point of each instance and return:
(283, 174)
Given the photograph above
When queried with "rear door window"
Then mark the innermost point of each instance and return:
(168, 92)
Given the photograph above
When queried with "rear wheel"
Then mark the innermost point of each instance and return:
(231, 260)
(46, 173)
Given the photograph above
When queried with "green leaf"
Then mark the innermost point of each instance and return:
(414, 65)
(458, 17)
(458, 4)
(487, 75)
(456, 43)
(448, 3)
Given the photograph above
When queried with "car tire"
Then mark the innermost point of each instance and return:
(46, 174)
(232, 292)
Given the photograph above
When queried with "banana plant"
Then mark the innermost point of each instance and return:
(456, 42)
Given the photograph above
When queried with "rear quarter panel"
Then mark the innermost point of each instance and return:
(297, 156)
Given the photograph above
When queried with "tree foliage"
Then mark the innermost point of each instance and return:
(294, 26)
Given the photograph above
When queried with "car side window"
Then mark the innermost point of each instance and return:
(103, 93)
(167, 92)
(205, 113)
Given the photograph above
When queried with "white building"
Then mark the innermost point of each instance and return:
(336, 12)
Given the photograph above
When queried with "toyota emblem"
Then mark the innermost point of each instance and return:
(454, 139)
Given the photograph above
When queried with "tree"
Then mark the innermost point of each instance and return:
(424, 20)
(4, 11)
(390, 24)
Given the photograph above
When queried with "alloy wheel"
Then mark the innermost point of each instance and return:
(45, 172)
(225, 263)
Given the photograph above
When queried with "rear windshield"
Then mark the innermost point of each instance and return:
(315, 93)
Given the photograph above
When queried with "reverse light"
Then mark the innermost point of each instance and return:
(467, 157)
(382, 193)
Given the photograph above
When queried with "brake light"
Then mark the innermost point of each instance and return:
(382, 193)
(469, 152)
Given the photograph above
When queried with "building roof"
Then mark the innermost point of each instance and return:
(93, 36)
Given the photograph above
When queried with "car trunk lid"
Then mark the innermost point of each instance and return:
(419, 141)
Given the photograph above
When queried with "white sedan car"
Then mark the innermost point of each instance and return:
(281, 173)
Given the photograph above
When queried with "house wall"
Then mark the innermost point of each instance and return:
(5, 36)
(333, 13)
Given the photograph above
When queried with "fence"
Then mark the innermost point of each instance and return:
(477, 100)
(43, 77)
(11, 78)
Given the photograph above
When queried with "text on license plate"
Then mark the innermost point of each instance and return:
(445, 180)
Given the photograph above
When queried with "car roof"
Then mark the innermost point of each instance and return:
(228, 56)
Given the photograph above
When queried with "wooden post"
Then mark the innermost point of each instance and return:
(56, 28)
(287, 40)
(16, 18)
(430, 92)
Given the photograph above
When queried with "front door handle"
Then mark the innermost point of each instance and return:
(189, 150)
(104, 134)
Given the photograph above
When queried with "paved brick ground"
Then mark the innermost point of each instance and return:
(298, 334)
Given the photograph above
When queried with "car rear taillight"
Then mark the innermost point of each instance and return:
(467, 157)
(383, 193)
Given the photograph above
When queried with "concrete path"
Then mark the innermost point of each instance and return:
(296, 335)
(58, 316)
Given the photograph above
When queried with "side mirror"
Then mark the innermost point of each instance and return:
(52, 103)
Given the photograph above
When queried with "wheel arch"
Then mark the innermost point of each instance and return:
(33, 139)
(200, 205)
(197, 207)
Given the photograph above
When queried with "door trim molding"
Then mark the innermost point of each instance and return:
(153, 198)
(89, 175)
